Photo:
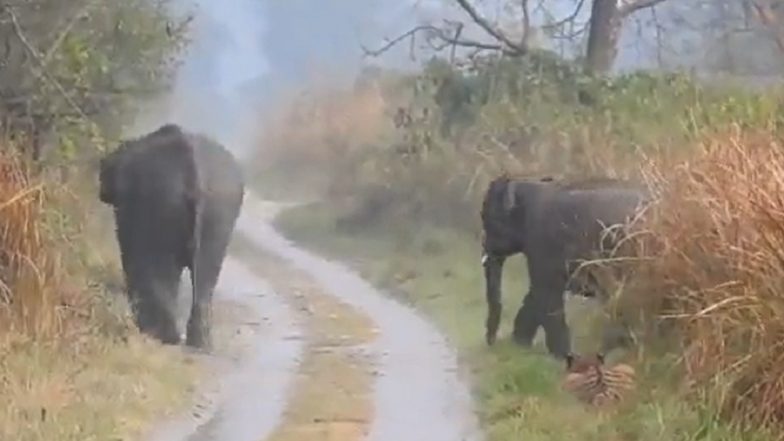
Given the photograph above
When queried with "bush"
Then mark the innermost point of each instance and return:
(456, 129)
(716, 270)
(33, 293)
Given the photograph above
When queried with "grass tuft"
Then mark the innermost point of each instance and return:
(33, 294)
(716, 270)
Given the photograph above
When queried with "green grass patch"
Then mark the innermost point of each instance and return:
(517, 390)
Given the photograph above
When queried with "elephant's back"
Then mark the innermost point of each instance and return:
(218, 171)
(577, 216)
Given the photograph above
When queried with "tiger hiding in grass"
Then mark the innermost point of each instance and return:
(595, 384)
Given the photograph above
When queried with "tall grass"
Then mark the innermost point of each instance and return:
(716, 270)
(33, 292)
(65, 337)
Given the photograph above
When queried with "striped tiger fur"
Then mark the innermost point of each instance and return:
(591, 382)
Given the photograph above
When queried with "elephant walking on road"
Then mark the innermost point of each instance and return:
(176, 198)
(554, 224)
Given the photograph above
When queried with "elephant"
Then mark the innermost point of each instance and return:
(554, 224)
(176, 197)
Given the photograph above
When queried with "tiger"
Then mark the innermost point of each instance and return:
(591, 382)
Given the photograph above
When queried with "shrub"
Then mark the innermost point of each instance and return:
(35, 298)
(716, 270)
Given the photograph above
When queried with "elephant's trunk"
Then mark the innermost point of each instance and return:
(494, 266)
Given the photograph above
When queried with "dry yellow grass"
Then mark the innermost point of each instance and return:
(33, 292)
(716, 270)
(71, 368)
(91, 388)
(322, 123)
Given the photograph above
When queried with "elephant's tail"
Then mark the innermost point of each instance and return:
(198, 210)
(196, 206)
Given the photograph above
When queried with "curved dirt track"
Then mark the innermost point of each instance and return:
(305, 349)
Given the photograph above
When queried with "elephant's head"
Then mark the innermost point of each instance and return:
(504, 234)
(503, 214)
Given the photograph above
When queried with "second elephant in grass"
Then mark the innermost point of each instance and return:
(176, 198)
(554, 224)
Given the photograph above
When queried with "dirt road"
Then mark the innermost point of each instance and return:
(306, 350)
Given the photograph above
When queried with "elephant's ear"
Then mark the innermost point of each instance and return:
(510, 196)
(107, 178)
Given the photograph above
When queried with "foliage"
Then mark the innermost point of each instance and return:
(32, 289)
(455, 128)
(714, 268)
(73, 69)
(70, 72)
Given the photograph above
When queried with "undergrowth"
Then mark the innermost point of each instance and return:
(72, 364)
(714, 269)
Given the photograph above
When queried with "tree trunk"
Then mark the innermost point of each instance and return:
(603, 36)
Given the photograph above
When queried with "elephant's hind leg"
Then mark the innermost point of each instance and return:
(548, 283)
(216, 233)
(200, 320)
(157, 319)
(557, 335)
(527, 320)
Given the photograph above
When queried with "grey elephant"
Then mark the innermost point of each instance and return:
(555, 224)
(176, 198)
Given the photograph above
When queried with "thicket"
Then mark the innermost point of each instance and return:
(71, 72)
(425, 144)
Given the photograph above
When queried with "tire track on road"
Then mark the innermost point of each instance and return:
(419, 391)
(331, 398)
(258, 347)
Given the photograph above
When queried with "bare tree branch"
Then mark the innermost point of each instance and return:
(764, 12)
(490, 29)
(434, 34)
(393, 42)
(631, 8)
(42, 72)
(67, 30)
(526, 23)
(569, 19)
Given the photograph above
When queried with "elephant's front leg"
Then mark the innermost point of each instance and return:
(493, 271)
(548, 283)
(528, 320)
(557, 335)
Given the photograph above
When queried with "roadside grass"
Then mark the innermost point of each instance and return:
(72, 366)
(518, 391)
(91, 388)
